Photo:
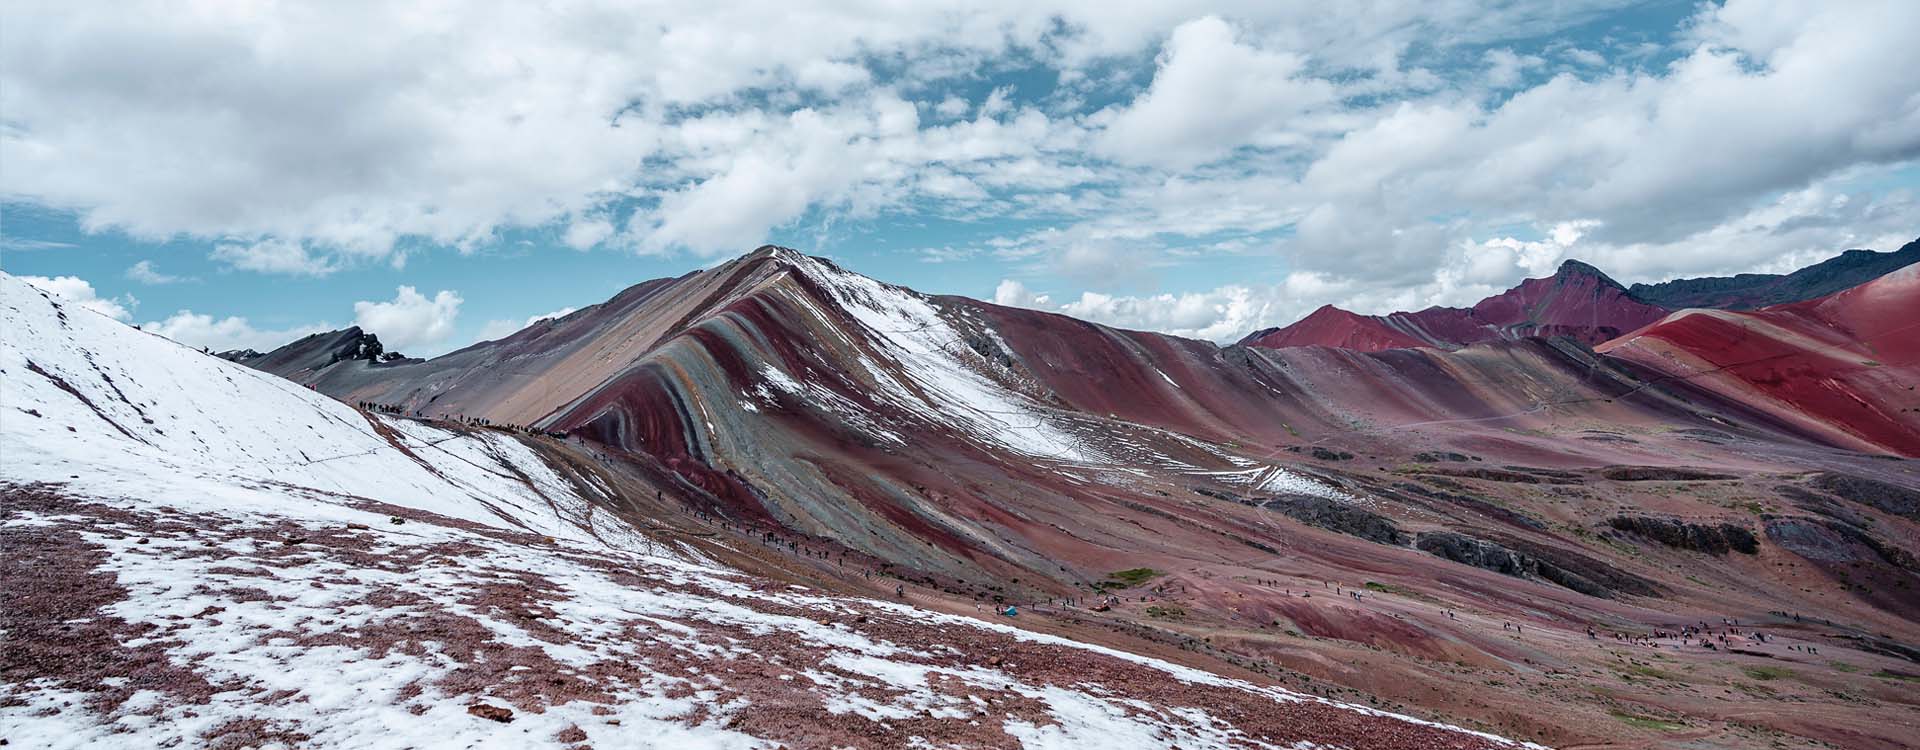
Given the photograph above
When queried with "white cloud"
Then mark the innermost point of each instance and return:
(252, 126)
(1505, 67)
(1212, 93)
(1223, 314)
(222, 334)
(410, 319)
(146, 272)
(78, 291)
(951, 106)
(274, 256)
(1401, 152)
(583, 234)
(1012, 293)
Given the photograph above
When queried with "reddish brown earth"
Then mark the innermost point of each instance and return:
(1845, 364)
(776, 401)
(1577, 301)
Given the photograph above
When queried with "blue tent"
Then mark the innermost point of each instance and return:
(1011, 612)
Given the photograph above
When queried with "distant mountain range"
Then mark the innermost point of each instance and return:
(1580, 302)
(1577, 301)
(1748, 291)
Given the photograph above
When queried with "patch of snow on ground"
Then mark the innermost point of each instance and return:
(947, 387)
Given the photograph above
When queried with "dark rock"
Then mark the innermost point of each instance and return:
(1330, 455)
(1508, 475)
(1717, 539)
(1523, 559)
(1661, 474)
(1811, 539)
(1333, 515)
(1885, 496)
(1434, 457)
(1467, 550)
(491, 713)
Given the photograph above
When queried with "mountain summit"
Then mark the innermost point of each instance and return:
(1577, 301)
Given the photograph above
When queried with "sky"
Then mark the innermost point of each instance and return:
(236, 174)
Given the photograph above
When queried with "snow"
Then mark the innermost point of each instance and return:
(1276, 479)
(946, 383)
(205, 431)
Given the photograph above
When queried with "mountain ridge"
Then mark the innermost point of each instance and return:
(1534, 308)
(1578, 301)
(1749, 291)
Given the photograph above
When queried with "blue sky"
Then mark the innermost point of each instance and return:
(235, 174)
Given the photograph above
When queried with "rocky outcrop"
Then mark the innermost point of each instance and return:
(1884, 496)
(1661, 474)
(1523, 559)
(1434, 457)
(1718, 539)
(1834, 541)
(1467, 550)
(238, 355)
(1509, 474)
(1334, 515)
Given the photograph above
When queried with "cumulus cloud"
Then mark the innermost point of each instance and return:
(1012, 293)
(1505, 67)
(78, 291)
(274, 256)
(1411, 153)
(410, 319)
(1222, 314)
(583, 234)
(146, 272)
(222, 334)
(1211, 94)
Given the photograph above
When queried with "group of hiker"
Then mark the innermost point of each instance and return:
(375, 406)
(1703, 635)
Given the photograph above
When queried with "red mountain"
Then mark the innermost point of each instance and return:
(1845, 364)
(1332, 326)
(1577, 301)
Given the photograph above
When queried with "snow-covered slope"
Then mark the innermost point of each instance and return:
(108, 409)
(203, 555)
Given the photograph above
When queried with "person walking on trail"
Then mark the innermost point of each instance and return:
(900, 590)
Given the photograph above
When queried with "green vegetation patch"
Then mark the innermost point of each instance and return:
(1167, 612)
(1768, 673)
(1646, 722)
(1888, 674)
(1658, 674)
(1132, 576)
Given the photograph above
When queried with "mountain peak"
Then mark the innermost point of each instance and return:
(1571, 268)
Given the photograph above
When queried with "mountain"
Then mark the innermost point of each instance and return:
(1332, 326)
(1748, 291)
(1432, 532)
(1845, 363)
(1577, 301)
(199, 554)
